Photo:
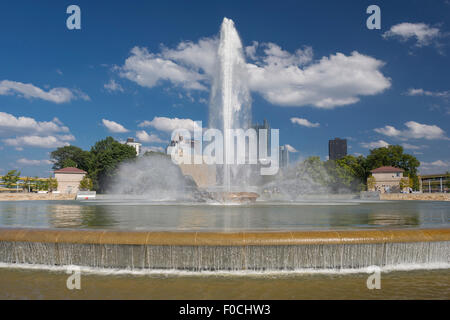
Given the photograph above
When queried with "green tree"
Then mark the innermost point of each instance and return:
(315, 169)
(105, 157)
(70, 156)
(11, 178)
(348, 173)
(27, 181)
(405, 183)
(394, 156)
(371, 182)
(52, 184)
(42, 184)
(86, 184)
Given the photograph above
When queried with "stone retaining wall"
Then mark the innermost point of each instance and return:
(35, 196)
(416, 196)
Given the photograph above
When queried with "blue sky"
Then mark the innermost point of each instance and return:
(316, 72)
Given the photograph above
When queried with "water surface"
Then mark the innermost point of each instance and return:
(141, 215)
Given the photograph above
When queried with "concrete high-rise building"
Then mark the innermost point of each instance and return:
(284, 156)
(337, 148)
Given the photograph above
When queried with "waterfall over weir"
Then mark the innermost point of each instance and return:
(222, 258)
(223, 252)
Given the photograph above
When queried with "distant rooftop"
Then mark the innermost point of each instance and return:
(386, 170)
(70, 170)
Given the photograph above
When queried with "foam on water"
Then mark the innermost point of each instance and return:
(233, 273)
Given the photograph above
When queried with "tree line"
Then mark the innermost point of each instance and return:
(100, 162)
(353, 173)
(12, 180)
(349, 173)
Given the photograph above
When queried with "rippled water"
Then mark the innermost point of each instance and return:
(139, 215)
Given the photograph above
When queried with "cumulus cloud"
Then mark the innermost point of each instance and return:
(422, 92)
(434, 166)
(374, 144)
(22, 131)
(412, 147)
(332, 81)
(291, 148)
(28, 90)
(281, 77)
(170, 124)
(414, 130)
(305, 122)
(422, 33)
(113, 126)
(10, 125)
(112, 86)
(36, 141)
(143, 136)
(28, 162)
(250, 51)
(149, 69)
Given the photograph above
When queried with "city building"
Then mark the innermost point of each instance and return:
(435, 183)
(179, 144)
(337, 148)
(135, 145)
(69, 179)
(203, 174)
(387, 179)
(284, 156)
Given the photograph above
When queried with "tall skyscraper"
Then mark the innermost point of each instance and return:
(337, 148)
(284, 156)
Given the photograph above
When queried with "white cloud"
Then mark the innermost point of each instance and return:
(169, 124)
(305, 122)
(148, 70)
(143, 136)
(435, 166)
(414, 130)
(28, 90)
(28, 162)
(422, 92)
(36, 141)
(291, 148)
(374, 144)
(281, 77)
(21, 132)
(66, 137)
(10, 125)
(250, 51)
(113, 126)
(333, 81)
(200, 56)
(422, 33)
(412, 147)
(112, 86)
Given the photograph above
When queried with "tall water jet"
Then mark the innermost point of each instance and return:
(230, 106)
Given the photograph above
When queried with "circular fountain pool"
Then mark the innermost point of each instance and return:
(264, 216)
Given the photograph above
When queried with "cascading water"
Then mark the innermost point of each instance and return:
(230, 106)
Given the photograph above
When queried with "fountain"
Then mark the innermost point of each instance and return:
(230, 108)
(188, 236)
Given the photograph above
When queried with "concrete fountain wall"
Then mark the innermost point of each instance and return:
(225, 251)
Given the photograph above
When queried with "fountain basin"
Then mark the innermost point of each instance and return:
(236, 197)
(199, 251)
